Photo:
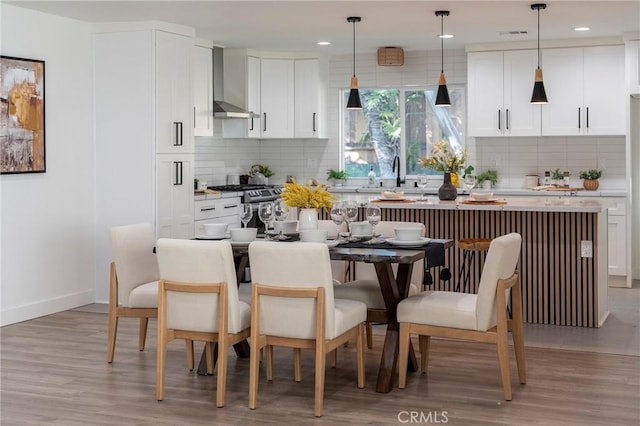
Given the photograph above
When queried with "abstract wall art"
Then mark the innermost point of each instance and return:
(22, 148)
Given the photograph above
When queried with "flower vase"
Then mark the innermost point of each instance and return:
(307, 219)
(447, 191)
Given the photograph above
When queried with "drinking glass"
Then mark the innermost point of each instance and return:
(373, 217)
(280, 211)
(351, 213)
(246, 214)
(338, 216)
(266, 213)
(469, 182)
(422, 182)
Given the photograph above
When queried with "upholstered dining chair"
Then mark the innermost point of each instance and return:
(133, 287)
(293, 306)
(198, 300)
(478, 317)
(338, 267)
(365, 288)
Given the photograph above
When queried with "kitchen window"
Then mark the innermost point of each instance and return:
(403, 122)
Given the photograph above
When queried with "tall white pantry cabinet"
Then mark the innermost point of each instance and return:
(144, 130)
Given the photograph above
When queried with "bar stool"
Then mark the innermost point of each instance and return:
(469, 246)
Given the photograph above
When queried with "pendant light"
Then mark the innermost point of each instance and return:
(442, 98)
(539, 96)
(354, 94)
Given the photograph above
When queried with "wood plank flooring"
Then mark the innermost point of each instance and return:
(53, 371)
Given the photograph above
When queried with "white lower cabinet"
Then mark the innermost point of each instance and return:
(174, 195)
(218, 210)
(617, 231)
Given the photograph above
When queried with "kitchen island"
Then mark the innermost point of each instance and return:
(563, 262)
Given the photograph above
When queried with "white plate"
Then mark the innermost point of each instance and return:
(485, 200)
(332, 243)
(402, 243)
(212, 237)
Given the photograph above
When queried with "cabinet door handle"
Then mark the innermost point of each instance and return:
(313, 122)
(178, 173)
(194, 117)
(499, 119)
(507, 119)
(207, 209)
(230, 206)
(579, 113)
(587, 117)
(251, 128)
(178, 127)
(264, 128)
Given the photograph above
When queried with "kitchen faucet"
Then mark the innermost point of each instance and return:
(396, 160)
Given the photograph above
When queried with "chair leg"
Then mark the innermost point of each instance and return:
(334, 358)
(297, 369)
(269, 350)
(369, 335)
(360, 356)
(208, 349)
(161, 363)
(423, 343)
(142, 334)
(319, 388)
(254, 364)
(518, 336)
(111, 339)
(188, 345)
(403, 354)
(222, 372)
(503, 362)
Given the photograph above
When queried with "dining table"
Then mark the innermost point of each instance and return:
(393, 285)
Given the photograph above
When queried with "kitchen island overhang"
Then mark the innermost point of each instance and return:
(563, 263)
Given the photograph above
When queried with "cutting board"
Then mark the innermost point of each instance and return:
(563, 188)
(483, 203)
(387, 200)
(206, 191)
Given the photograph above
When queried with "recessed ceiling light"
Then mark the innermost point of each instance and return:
(446, 36)
(323, 43)
(581, 29)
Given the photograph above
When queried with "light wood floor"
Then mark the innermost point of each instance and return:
(54, 372)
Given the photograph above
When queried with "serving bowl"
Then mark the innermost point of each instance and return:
(408, 233)
(481, 196)
(391, 195)
(243, 235)
(215, 229)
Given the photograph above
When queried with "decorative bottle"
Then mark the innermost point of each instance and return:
(372, 178)
(447, 191)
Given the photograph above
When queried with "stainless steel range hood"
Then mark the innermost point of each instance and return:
(222, 109)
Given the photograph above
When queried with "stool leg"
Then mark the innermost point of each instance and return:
(463, 269)
(471, 256)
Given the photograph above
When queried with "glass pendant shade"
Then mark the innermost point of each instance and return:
(539, 96)
(354, 95)
(442, 98)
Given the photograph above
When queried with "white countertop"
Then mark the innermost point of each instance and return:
(433, 191)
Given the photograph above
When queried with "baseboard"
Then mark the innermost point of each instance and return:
(617, 281)
(45, 307)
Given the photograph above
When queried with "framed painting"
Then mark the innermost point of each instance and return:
(22, 148)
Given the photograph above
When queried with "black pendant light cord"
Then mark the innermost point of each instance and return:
(538, 38)
(354, 44)
(442, 43)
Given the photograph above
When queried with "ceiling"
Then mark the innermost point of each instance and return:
(412, 25)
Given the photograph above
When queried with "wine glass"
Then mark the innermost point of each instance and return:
(266, 213)
(422, 182)
(373, 217)
(280, 211)
(469, 182)
(246, 213)
(351, 212)
(338, 216)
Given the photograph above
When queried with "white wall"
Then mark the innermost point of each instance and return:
(47, 219)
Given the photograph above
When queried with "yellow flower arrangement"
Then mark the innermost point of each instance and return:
(443, 159)
(306, 197)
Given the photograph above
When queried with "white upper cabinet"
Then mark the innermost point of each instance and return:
(202, 91)
(310, 88)
(277, 98)
(632, 65)
(585, 88)
(253, 96)
(500, 85)
(174, 113)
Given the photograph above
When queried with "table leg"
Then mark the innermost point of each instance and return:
(241, 348)
(393, 290)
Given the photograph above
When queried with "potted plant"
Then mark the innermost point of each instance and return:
(488, 179)
(337, 177)
(591, 177)
(308, 200)
(557, 177)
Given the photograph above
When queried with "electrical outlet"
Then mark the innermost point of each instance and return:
(586, 248)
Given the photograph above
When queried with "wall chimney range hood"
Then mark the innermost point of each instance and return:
(222, 109)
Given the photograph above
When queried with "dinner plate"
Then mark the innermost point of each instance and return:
(213, 237)
(286, 234)
(403, 243)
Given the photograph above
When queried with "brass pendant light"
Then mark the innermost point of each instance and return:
(442, 98)
(354, 94)
(539, 96)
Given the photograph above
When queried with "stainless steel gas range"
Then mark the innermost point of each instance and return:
(254, 195)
